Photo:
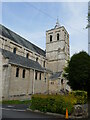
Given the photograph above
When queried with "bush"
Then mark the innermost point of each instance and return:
(51, 103)
(81, 96)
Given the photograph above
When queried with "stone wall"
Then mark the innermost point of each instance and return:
(56, 66)
(56, 85)
(19, 87)
(41, 85)
(57, 51)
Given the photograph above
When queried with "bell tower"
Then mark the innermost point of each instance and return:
(57, 47)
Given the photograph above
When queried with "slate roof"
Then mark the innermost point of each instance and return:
(55, 75)
(21, 61)
(20, 40)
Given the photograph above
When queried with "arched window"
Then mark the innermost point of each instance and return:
(44, 64)
(57, 36)
(23, 75)
(27, 55)
(61, 81)
(17, 72)
(50, 38)
(37, 59)
(40, 76)
(14, 50)
(52, 83)
(36, 75)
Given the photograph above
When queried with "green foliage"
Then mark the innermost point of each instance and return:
(58, 103)
(78, 71)
(88, 14)
(16, 102)
(52, 103)
(81, 96)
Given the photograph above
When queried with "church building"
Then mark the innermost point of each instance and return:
(27, 69)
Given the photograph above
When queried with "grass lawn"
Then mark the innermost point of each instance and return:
(16, 102)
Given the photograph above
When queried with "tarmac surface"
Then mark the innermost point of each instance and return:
(14, 112)
(20, 112)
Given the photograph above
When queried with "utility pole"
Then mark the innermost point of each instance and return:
(88, 26)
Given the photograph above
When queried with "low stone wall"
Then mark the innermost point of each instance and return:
(80, 110)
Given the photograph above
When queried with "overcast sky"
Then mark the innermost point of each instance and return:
(31, 20)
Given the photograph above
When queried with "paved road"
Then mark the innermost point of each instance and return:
(22, 114)
(19, 111)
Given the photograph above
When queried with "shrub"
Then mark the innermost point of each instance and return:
(51, 103)
(81, 96)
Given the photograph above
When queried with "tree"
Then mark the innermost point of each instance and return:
(77, 71)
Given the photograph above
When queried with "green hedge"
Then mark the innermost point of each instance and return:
(52, 103)
(81, 96)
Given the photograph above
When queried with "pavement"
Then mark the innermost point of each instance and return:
(10, 112)
(20, 112)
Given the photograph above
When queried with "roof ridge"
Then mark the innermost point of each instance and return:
(22, 38)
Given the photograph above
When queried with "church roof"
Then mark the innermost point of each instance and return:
(21, 61)
(55, 75)
(20, 40)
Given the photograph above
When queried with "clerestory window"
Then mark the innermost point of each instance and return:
(40, 76)
(17, 72)
(23, 74)
(44, 64)
(36, 75)
(14, 50)
(37, 59)
(27, 55)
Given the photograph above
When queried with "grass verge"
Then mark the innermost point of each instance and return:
(16, 102)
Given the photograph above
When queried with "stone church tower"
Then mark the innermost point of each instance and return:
(57, 47)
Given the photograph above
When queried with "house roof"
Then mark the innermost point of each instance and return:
(21, 61)
(55, 75)
(20, 40)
